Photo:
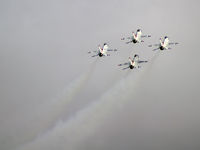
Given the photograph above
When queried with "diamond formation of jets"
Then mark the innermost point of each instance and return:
(102, 51)
(136, 38)
(164, 44)
(133, 63)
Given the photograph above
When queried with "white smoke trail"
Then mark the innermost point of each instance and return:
(72, 133)
(50, 113)
(76, 85)
(58, 107)
(68, 135)
(152, 61)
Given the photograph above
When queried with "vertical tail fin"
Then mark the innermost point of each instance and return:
(105, 47)
(134, 36)
(161, 42)
(130, 61)
(100, 49)
(166, 41)
(136, 57)
(136, 64)
(139, 33)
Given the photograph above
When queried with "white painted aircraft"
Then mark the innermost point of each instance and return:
(103, 51)
(133, 63)
(163, 45)
(136, 38)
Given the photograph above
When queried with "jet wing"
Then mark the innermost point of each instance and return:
(123, 64)
(95, 55)
(173, 43)
(144, 61)
(114, 50)
(125, 68)
(143, 36)
(89, 52)
(154, 45)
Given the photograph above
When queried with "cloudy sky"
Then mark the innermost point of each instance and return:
(53, 95)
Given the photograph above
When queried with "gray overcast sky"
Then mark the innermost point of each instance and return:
(53, 95)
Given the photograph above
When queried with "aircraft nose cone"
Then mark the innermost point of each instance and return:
(135, 55)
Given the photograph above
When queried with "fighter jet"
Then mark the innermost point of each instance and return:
(133, 63)
(136, 38)
(163, 45)
(102, 51)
